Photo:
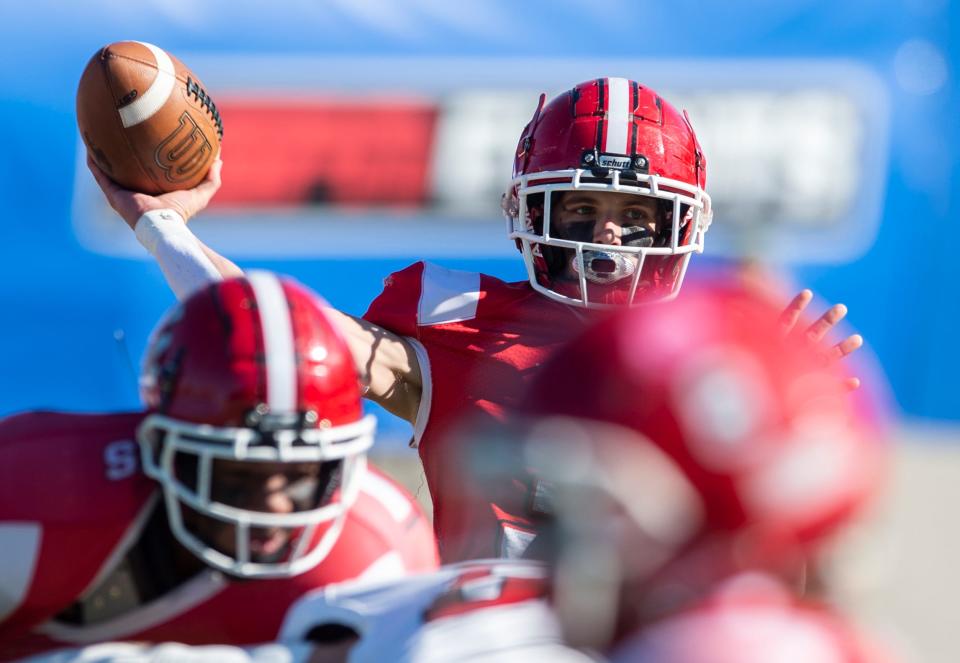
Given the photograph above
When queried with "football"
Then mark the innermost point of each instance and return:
(146, 119)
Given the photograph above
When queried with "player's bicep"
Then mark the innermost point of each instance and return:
(387, 364)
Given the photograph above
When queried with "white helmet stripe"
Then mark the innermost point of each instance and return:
(279, 349)
(156, 95)
(618, 116)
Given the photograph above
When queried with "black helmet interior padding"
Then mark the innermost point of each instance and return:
(552, 255)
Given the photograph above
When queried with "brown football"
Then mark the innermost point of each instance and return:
(146, 119)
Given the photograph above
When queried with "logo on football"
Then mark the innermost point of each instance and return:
(184, 152)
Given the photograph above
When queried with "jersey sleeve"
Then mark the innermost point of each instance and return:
(70, 491)
(395, 309)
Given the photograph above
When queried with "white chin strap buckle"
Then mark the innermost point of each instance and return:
(605, 266)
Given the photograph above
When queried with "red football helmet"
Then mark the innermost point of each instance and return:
(716, 443)
(249, 378)
(608, 135)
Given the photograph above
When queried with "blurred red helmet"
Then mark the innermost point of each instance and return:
(252, 370)
(762, 432)
(697, 441)
(608, 135)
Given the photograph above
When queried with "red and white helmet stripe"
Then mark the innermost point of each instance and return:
(616, 131)
(279, 349)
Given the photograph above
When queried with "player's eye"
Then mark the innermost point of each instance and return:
(636, 214)
(580, 210)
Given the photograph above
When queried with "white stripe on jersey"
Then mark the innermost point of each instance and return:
(156, 95)
(515, 542)
(618, 116)
(279, 350)
(386, 494)
(20, 543)
(447, 295)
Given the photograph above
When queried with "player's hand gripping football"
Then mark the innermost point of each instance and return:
(131, 205)
(818, 330)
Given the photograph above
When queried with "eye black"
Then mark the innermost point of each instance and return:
(637, 236)
(577, 231)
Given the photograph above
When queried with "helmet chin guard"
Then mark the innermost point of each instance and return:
(162, 440)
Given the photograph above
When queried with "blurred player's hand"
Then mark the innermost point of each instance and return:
(819, 329)
(131, 205)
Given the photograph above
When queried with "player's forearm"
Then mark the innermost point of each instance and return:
(227, 268)
(186, 263)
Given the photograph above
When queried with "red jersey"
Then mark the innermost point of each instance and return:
(751, 622)
(482, 610)
(479, 341)
(73, 502)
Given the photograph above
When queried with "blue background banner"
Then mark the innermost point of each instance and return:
(76, 317)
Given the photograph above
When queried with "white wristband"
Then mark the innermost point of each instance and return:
(186, 267)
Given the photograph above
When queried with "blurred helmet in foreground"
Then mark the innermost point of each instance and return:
(687, 442)
(255, 428)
